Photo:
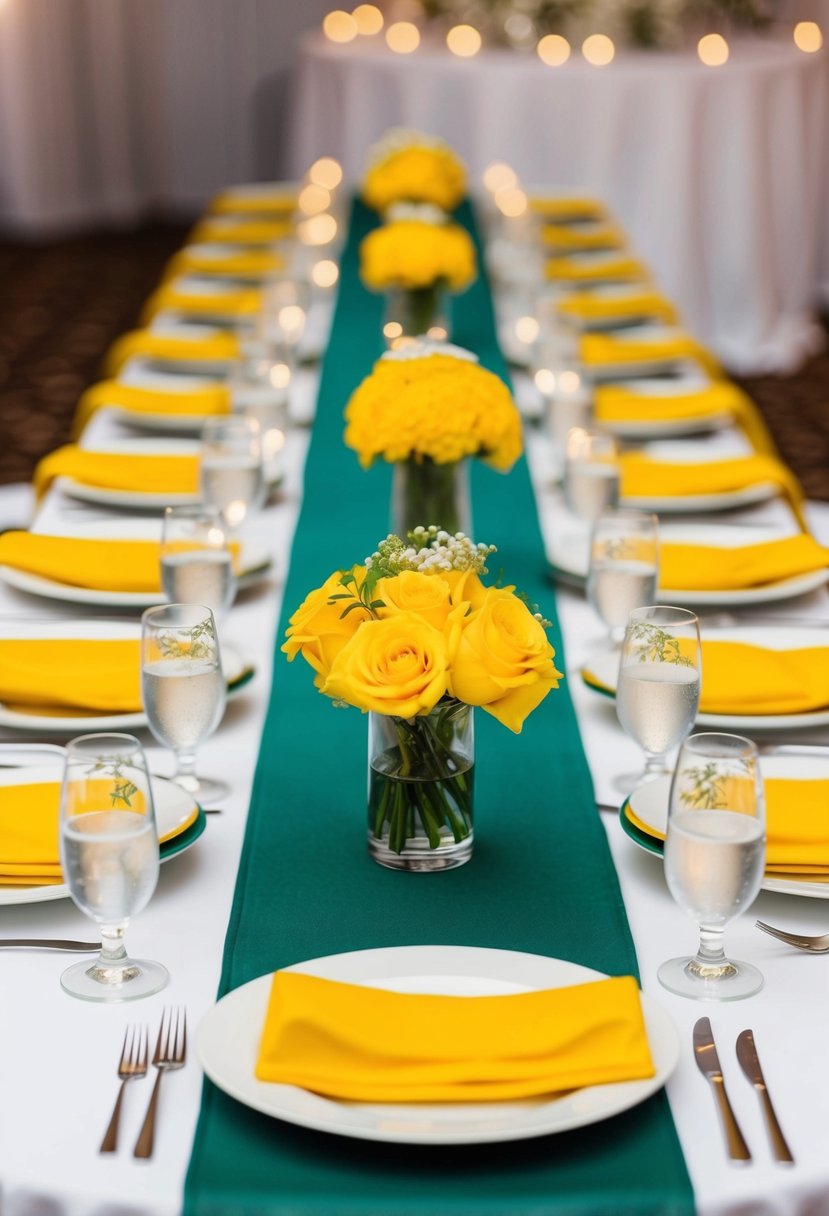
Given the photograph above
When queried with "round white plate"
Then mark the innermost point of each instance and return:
(173, 808)
(668, 386)
(650, 804)
(604, 668)
(570, 552)
(237, 674)
(228, 1041)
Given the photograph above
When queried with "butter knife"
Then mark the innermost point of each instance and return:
(708, 1062)
(750, 1064)
(47, 943)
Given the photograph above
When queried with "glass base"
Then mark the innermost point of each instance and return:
(626, 783)
(205, 790)
(418, 857)
(132, 979)
(727, 981)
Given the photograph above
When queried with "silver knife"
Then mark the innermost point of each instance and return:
(750, 1064)
(46, 943)
(708, 1062)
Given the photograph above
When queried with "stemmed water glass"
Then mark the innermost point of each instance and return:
(109, 857)
(624, 566)
(591, 473)
(259, 384)
(183, 688)
(714, 856)
(196, 559)
(231, 473)
(657, 692)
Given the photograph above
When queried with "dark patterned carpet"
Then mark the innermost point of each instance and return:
(62, 304)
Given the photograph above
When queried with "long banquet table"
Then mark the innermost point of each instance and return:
(59, 1055)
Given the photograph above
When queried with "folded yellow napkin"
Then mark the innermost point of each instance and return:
(616, 403)
(61, 676)
(29, 848)
(621, 269)
(114, 394)
(255, 263)
(562, 208)
(797, 827)
(100, 565)
(588, 306)
(599, 350)
(368, 1045)
(564, 237)
(644, 477)
(242, 232)
(708, 568)
(738, 678)
(245, 302)
(145, 342)
(276, 202)
(148, 474)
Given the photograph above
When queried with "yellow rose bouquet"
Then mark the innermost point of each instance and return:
(424, 409)
(416, 639)
(406, 166)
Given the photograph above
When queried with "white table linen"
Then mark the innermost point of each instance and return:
(718, 176)
(58, 1056)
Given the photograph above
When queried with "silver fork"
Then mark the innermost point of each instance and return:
(133, 1064)
(816, 944)
(170, 1053)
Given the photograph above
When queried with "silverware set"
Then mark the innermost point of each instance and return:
(170, 1053)
(708, 1062)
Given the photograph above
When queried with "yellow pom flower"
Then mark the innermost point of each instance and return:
(418, 173)
(439, 407)
(413, 254)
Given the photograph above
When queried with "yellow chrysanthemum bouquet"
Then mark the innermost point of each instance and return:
(416, 639)
(424, 409)
(408, 166)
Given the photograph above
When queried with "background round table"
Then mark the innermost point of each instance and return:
(718, 175)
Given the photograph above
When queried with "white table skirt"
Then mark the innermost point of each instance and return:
(58, 1055)
(717, 175)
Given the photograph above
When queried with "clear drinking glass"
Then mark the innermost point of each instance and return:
(183, 688)
(259, 384)
(196, 559)
(109, 857)
(591, 473)
(624, 566)
(657, 692)
(231, 473)
(714, 857)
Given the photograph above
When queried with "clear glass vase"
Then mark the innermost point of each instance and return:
(415, 313)
(420, 788)
(424, 492)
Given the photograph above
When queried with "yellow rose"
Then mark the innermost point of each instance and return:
(318, 630)
(465, 587)
(415, 591)
(394, 666)
(504, 661)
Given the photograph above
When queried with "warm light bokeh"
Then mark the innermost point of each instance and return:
(511, 202)
(312, 199)
(325, 273)
(499, 176)
(463, 41)
(339, 26)
(553, 50)
(317, 229)
(368, 18)
(713, 50)
(807, 36)
(598, 49)
(326, 172)
(526, 329)
(403, 37)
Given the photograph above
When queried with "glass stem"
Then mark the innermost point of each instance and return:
(185, 764)
(711, 952)
(113, 949)
(655, 764)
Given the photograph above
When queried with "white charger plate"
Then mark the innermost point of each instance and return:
(228, 1041)
(603, 670)
(174, 808)
(650, 804)
(569, 553)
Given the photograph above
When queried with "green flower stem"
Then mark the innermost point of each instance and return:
(429, 493)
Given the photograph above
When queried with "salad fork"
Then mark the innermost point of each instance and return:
(133, 1064)
(813, 944)
(170, 1053)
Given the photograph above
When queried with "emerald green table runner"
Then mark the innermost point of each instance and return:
(541, 878)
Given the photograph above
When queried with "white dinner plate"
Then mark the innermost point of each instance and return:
(650, 804)
(228, 1041)
(601, 674)
(174, 808)
(569, 554)
(668, 386)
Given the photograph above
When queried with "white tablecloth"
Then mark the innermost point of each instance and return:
(717, 175)
(58, 1055)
